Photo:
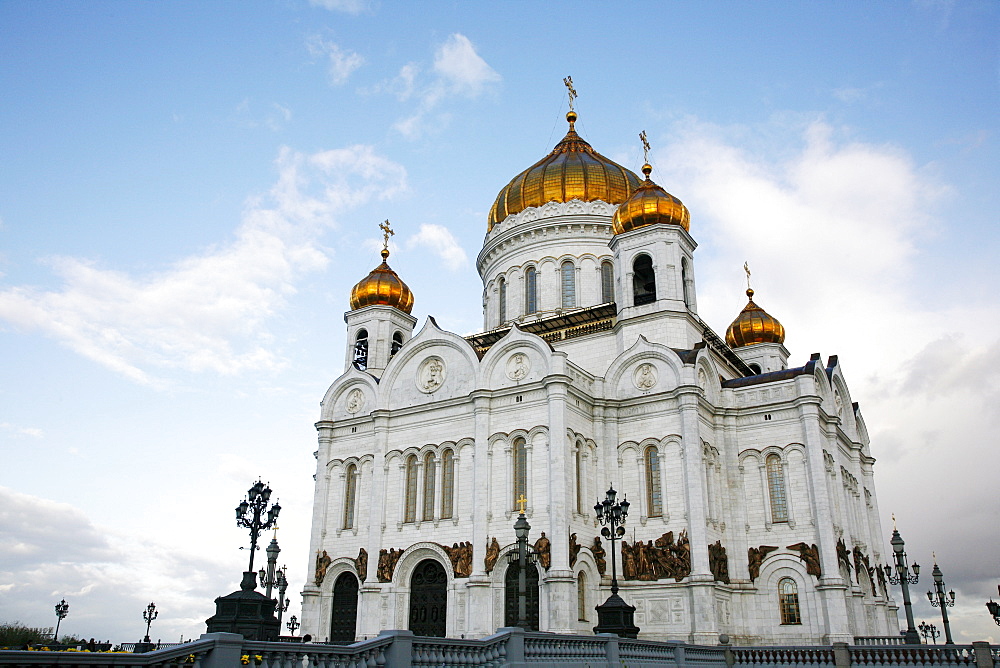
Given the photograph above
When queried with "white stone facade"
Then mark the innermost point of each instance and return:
(595, 394)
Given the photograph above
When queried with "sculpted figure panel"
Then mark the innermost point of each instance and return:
(655, 561)
(599, 555)
(645, 376)
(756, 557)
(718, 562)
(809, 554)
(431, 374)
(518, 366)
(492, 554)
(387, 560)
(543, 548)
(361, 564)
(355, 401)
(574, 549)
(323, 562)
(461, 558)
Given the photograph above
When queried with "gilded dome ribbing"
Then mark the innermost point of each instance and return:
(382, 286)
(754, 325)
(648, 205)
(573, 170)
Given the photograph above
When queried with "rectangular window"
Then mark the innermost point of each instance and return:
(530, 291)
(430, 469)
(568, 285)
(411, 490)
(447, 484)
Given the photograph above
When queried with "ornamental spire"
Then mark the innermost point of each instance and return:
(568, 82)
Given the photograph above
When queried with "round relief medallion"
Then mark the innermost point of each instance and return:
(644, 376)
(518, 366)
(430, 376)
(355, 401)
(702, 379)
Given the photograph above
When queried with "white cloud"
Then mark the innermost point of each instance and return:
(208, 312)
(840, 237)
(440, 241)
(342, 62)
(457, 71)
(346, 6)
(33, 432)
(462, 68)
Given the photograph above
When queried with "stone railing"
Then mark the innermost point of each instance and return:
(507, 647)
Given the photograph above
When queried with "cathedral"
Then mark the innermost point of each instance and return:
(750, 480)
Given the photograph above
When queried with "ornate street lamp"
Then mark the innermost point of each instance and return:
(521, 529)
(268, 579)
(148, 615)
(62, 609)
(251, 515)
(282, 586)
(293, 624)
(614, 615)
(939, 600)
(929, 631)
(994, 608)
(901, 576)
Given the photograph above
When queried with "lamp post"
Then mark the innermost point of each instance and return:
(994, 608)
(521, 529)
(614, 615)
(148, 615)
(939, 600)
(293, 624)
(282, 586)
(250, 514)
(929, 631)
(901, 576)
(62, 609)
(267, 577)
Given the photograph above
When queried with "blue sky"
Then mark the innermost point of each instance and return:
(189, 190)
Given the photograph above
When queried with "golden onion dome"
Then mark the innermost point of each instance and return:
(754, 325)
(573, 170)
(650, 204)
(382, 286)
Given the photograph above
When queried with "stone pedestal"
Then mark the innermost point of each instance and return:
(247, 612)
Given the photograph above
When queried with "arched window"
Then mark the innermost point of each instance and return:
(788, 601)
(361, 350)
(410, 514)
(643, 281)
(654, 496)
(581, 596)
(397, 343)
(579, 482)
(502, 290)
(607, 282)
(430, 469)
(350, 495)
(755, 368)
(447, 484)
(520, 469)
(776, 489)
(530, 290)
(686, 282)
(568, 272)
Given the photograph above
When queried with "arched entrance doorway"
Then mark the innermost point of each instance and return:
(429, 599)
(343, 621)
(510, 596)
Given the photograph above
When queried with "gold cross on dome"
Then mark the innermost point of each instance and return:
(386, 233)
(746, 268)
(521, 502)
(568, 81)
(645, 146)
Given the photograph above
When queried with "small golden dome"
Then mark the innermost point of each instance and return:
(754, 325)
(648, 205)
(573, 170)
(382, 286)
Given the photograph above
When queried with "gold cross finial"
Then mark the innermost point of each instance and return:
(645, 146)
(568, 81)
(386, 233)
(521, 501)
(746, 268)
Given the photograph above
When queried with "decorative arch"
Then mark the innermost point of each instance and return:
(668, 367)
(332, 407)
